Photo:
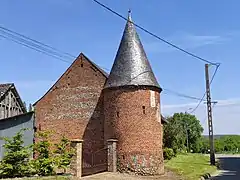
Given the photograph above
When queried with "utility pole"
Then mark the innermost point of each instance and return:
(186, 127)
(209, 112)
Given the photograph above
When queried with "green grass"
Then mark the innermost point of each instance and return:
(190, 166)
(49, 178)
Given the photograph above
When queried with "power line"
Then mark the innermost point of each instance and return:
(43, 52)
(37, 44)
(214, 74)
(32, 44)
(179, 94)
(35, 41)
(58, 54)
(156, 36)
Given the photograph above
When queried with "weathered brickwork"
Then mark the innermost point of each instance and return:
(132, 117)
(77, 107)
(73, 107)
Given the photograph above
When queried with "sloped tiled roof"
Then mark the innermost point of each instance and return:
(4, 88)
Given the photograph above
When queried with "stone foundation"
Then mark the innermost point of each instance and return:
(140, 164)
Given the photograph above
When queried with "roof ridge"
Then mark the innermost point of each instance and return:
(4, 88)
(81, 54)
(95, 65)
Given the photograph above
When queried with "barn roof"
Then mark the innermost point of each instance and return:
(131, 66)
(4, 88)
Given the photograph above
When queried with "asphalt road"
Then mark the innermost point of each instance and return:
(230, 167)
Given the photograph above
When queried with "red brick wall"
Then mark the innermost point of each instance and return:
(73, 106)
(139, 131)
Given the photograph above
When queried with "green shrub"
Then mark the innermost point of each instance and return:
(182, 151)
(50, 157)
(63, 154)
(168, 153)
(15, 162)
(44, 162)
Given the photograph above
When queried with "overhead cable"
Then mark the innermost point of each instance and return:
(201, 100)
(156, 36)
(58, 54)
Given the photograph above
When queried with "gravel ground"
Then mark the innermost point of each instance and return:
(118, 176)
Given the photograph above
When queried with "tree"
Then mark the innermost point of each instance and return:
(172, 137)
(15, 162)
(30, 108)
(230, 143)
(44, 162)
(182, 128)
(24, 104)
(204, 145)
(63, 154)
(48, 157)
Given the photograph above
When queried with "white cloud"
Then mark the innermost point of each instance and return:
(186, 41)
(179, 105)
(225, 115)
(219, 103)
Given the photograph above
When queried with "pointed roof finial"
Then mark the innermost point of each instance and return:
(129, 15)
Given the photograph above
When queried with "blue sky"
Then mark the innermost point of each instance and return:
(210, 29)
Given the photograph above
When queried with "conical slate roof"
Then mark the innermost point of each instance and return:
(131, 66)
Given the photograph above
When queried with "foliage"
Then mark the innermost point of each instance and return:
(181, 126)
(168, 153)
(191, 166)
(15, 162)
(44, 162)
(204, 145)
(49, 157)
(222, 144)
(63, 154)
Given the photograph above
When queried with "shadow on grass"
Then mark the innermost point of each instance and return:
(230, 167)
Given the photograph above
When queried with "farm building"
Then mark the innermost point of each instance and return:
(88, 104)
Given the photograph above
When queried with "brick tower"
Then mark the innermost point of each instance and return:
(132, 108)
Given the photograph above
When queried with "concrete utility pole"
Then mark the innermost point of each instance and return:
(209, 112)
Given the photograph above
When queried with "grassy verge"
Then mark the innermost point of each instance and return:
(190, 166)
(48, 178)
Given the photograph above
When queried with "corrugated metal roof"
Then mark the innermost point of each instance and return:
(131, 66)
